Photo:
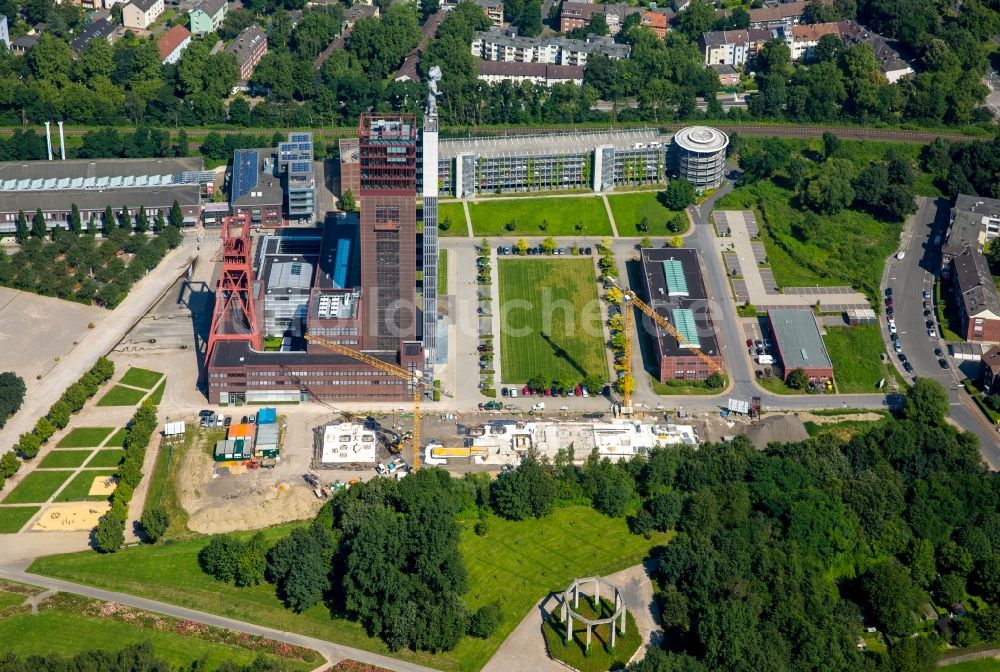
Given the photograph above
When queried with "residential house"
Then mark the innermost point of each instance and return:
(733, 47)
(728, 75)
(990, 370)
(100, 28)
(578, 14)
(779, 15)
(23, 44)
(975, 296)
(507, 46)
(494, 11)
(173, 43)
(806, 36)
(249, 48)
(890, 62)
(140, 14)
(493, 72)
(207, 16)
(658, 22)
(355, 13)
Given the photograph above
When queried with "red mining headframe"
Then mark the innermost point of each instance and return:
(234, 318)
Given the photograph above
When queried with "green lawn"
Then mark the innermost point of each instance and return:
(63, 459)
(121, 396)
(10, 599)
(578, 215)
(36, 487)
(117, 440)
(63, 632)
(554, 302)
(805, 249)
(157, 396)
(517, 562)
(78, 488)
(143, 378)
(456, 213)
(106, 458)
(13, 518)
(630, 209)
(777, 386)
(85, 437)
(601, 656)
(683, 387)
(442, 287)
(856, 355)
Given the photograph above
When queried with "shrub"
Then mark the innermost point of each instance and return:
(486, 620)
(44, 429)
(155, 522)
(28, 445)
(60, 414)
(9, 464)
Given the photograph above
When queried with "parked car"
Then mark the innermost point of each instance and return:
(937, 352)
(751, 351)
(902, 358)
(500, 250)
(578, 391)
(589, 251)
(526, 390)
(505, 392)
(900, 254)
(932, 333)
(888, 291)
(929, 324)
(227, 421)
(908, 367)
(585, 393)
(892, 328)
(927, 313)
(749, 342)
(898, 347)
(888, 302)
(927, 294)
(943, 363)
(513, 392)
(889, 312)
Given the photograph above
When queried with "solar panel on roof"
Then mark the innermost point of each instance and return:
(300, 137)
(683, 320)
(244, 172)
(300, 167)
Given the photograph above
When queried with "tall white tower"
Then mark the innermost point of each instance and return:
(435, 343)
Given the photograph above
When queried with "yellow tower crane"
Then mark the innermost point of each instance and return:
(629, 297)
(412, 376)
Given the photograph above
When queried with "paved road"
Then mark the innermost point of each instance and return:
(332, 652)
(98, 342)
(909, 276)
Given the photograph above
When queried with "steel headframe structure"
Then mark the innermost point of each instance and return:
(234, 318)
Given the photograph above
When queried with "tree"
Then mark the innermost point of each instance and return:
(665, 510)
(9, 464)
(220, 556)
(142, 221)
(892, 597)
(161, 223)
(796, 169)
(521, 246)
(59, 414)
(926, 402)
(798, 379)
(598, 25)
(679, 194)
(831, 143)
(347, 202)
(155, 522)
(486, 620)
(21, 232)
(176, 217)
(12, 390)
(44, 429)
(28, 445)
(696, 19)
(715, 381)
(525, 492)
(38, 228)
(830, 191)
(428, 7)
(676, 242)
(645, 243)
(251, 562)
(108, 221)
(871, 184)
(75, 223)
(109, 535)
(125, 222)
(549, 245)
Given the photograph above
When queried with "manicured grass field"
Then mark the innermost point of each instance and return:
(78, 488)
(157, 396)
(577, 215)
(67, 633)
(683, 387)
(63, 459)
(10, 599)
(13, 518)
(601, 656)
(36, 487)
(121, 396)
(554, 303)
(442, 287)
(85, 437)
(629, 210)
(517, 562)
(143, 378)
(855, 353)
(106, 458)
(456, 213)
(117, 440)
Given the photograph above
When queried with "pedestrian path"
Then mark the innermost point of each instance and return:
(468, 217)
(611, 216)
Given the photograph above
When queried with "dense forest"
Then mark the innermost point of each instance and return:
(782, 557)
(125, 83)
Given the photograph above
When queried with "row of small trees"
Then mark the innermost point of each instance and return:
(71, 401)
(110, 221)
(12, 391)
(109, 535)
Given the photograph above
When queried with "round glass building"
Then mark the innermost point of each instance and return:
(700, 155)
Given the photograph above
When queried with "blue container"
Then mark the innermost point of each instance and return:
(267, 416)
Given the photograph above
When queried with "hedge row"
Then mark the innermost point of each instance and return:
(71, 401)
(109, 535)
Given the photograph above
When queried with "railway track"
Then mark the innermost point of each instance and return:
(757, 130)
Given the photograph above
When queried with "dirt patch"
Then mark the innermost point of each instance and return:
(70, 517)
(218, 500)
(102, 486)
(831, 419)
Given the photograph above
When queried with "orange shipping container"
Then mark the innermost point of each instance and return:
(240, 431)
